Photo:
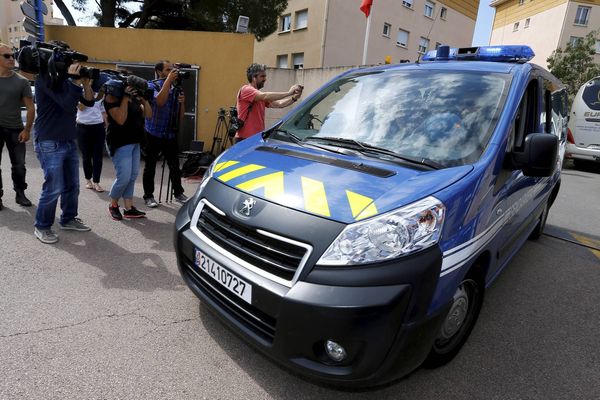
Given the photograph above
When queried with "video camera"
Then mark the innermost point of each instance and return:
(181, 74)
(116, 83)
(52, 59)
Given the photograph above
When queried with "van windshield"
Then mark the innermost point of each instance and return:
(445, 117)
(591, 94)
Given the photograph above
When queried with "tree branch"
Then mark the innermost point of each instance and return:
(65, 12)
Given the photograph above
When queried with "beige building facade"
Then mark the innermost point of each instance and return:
(11, 21)
(330, 33)
(545, 25)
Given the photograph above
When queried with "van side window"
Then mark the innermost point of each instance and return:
(526, 121)
(560, 111)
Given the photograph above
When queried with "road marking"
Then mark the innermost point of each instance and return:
(592, 244)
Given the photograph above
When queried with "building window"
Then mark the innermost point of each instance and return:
(521, 2)
(10, 29)
(286, 23)
(429, 8)
(597, 46)
(526, 23)
(574, 40)
(516, 27)
(423, 45)
(582, 16)
(298, 60)
(301, 19)
(282, 60)
(443, 13)
(407, 3)
(387, 28)
(402, 38)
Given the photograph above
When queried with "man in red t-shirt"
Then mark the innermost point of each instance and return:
(251, 102)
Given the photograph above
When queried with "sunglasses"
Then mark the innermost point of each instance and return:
(9, 55)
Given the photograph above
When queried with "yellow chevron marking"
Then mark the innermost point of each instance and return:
(272, 183)
(361, 206)
(315, 199)
(239, 172)
(224, 164)
(588, 242)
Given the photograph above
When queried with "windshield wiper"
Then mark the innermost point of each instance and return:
(365, 147)
(289, 134)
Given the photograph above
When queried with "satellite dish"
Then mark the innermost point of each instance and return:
(242, 24)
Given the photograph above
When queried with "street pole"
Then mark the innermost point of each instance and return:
(40, 19)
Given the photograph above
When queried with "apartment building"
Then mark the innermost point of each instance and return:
(545, 25)
(329, 33)
(11, 21)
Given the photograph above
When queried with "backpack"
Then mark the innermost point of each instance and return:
(196, 163)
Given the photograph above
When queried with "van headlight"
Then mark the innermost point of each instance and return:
(403, 231)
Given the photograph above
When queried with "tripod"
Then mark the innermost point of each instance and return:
(174, 119)
(221, 133)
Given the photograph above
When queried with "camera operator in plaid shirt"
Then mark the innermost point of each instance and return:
(167, 113)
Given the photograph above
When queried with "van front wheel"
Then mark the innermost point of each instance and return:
(458, 324)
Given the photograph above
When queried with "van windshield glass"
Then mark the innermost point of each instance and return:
(444, 117)
(591, 94)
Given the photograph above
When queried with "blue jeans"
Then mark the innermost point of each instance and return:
(127, 166)
(60, 164)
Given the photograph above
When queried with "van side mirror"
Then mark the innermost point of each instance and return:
(539, 155)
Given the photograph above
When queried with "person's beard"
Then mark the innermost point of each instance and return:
(259, 85)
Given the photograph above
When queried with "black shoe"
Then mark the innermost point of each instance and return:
(21, 199)
(115, 213)
(133, 213)
(1, 206)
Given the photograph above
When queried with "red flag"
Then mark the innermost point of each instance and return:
(365, 6)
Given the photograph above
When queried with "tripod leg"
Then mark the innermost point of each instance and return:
(162, 178)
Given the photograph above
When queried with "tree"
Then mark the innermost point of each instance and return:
(575, 65)
(199, 15)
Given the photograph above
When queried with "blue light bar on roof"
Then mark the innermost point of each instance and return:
(505, 53)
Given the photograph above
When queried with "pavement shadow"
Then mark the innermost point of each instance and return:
(17, 218)
(161, 233)
(123, 269)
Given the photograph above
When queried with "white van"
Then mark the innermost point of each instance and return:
(583, 139)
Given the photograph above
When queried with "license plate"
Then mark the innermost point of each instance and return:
(222, 276)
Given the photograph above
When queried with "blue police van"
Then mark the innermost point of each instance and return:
(354, 240)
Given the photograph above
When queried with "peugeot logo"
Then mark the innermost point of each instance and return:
(247, 206)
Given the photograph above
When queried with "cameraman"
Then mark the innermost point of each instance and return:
(167, 113)
(251, 102)
(55, 144)
(126, 111)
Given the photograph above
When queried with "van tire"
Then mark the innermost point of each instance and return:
(448, 343)
(541, 224)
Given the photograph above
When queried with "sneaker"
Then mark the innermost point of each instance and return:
(21, 199)
(150, 202)
(133, 213)
(181, 198)
(115, 213)
(75, 224)
(45, 235)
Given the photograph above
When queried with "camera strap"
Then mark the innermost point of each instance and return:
(249, 107)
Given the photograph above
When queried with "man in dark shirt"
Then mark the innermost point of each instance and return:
(55, 144)
(167, 112)
(14, 91)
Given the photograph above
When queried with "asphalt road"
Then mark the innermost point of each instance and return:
(105, 315)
